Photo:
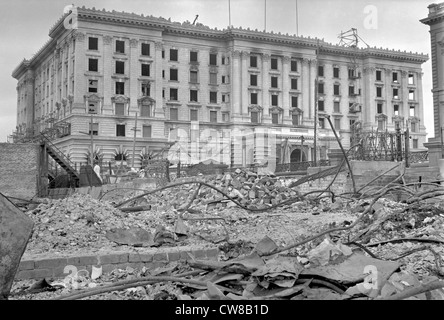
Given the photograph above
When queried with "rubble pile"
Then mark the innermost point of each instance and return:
(253, 190)
(76, 222)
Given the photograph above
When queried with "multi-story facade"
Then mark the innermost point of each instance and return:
(237, 96)
(435, 20)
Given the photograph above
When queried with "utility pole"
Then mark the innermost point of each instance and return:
(92, 142)
(134, 142)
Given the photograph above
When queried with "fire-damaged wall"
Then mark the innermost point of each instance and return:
(19, 169)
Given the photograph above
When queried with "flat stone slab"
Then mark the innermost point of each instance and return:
(15, 231)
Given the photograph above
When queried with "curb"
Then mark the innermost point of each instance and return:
(57, 266)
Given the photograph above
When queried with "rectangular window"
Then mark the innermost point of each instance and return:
(93, 43)
(378, 75)
(395, 93)
(225, 117)
(173, 75)
(337, 124)
(213, 96)
(213, 116)
(352, 123)
(146, 110)
(254, 117)
(336, 107)
(412, 111)
(410, 79)
(253, 98)
(275, 118)
(92, 85)
(223, 79)
(253, 61)
(173, 54)
(174, 114)
(173, 94)
(321, 106)
(213, 78)
(193, 56)
(294, 101)
(379, 108)
(120, 109)
(351, 90)
(274, 99)
(93, 65)
(295, 119)
(145, 49)
(225, 98)
(274, 63)
(395, 77)
(413, 127)
(320, 87)
(213, 59)
(379, 92)
(193, 76)
(193, 95)
(320, 71)
(120, 46)
(92, 107)
(411, 94)
(146, 90)
(351, 73)
(274, 82)
(415, 143)
(321, 123)
(293, 65)
(396, 110)
(253, 80)
(120, 67)
(145, 69)
(223, 60)
(193, 115)
(146, 131)
(163, 54)
(380, 125)
(335, 72)
(95, 129)
(120, 87)
(294, 83)
(120, 130)
(336, 89)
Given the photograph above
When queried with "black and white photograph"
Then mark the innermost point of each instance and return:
(221, 154)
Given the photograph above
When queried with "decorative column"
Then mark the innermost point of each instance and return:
(134, 73)
(404, 95)
(236, 82)
(107, 69)
(368, 109)
(244, 80)
(159, 111)
(286, 90)
(418, 79)
(79, 68)
(266, 118)
(305, 89)
(313, 72)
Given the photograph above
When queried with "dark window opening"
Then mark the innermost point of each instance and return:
(336, 89)
(321, 105)
(274, 100)
(274, 82)
(213, 96)
(253, 98)
(294, 83)
(253, 80)
(173, 94)
(120, 87)
(120, 132)
(294, 101)
(378, 75)
(193, 56)
(120, 67)
(173, 54)
(274, 63)
(379, 108)
(93, 43)
(335, 72)
(193, 95)
(253, 61)
(145, 49)
(93, 65)
(120, 46)
(320, 71)
(145, 70)
(173, 75)
(294, 65)
(213, 59)
(92, 85)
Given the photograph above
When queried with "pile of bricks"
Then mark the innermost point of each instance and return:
(251, 189)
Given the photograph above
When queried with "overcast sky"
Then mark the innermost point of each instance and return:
(24, 26)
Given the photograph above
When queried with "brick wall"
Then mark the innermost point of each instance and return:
(19, 169)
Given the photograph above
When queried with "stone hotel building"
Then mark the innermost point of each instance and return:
(236, 96)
